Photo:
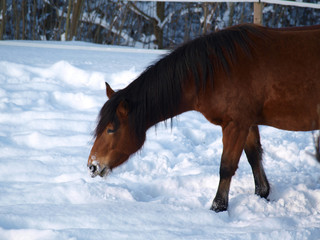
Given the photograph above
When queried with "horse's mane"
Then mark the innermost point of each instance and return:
(156, 94)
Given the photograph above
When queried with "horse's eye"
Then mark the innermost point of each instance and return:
(109, 130)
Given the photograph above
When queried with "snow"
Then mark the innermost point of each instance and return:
(49, 100)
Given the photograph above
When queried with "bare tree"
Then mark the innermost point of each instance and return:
(157, 21)
(34, 17)
(3, 20)
(158, 30)
(23, 6)
(75, 18)
(16, 17)
(231, 13)
(68, 20)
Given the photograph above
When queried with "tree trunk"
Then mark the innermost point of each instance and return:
(205, 16)
(123, 20)
(58, 33)
(23, 5)
(97, 33)
(43, 22)
(243, 9)
(75, 18)
(34, 19)
(68, 20)
(158, 30)
(79, 25)
(113, 21)
(186, 35)
(17, 20)
(231, 14)
(3, 21)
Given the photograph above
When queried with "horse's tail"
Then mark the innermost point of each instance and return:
(316, 141)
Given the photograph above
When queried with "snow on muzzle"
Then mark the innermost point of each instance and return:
(95, 169)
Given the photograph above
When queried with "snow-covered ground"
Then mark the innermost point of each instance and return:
(50, 96)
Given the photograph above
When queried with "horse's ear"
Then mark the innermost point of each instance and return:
(123, 109)
(109, 91)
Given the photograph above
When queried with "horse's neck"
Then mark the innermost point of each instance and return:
(189, 98)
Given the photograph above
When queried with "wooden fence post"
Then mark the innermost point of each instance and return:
(257, 13)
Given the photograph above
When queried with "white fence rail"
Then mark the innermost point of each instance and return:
(279, 2)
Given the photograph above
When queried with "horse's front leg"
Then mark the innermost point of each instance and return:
(234, 138)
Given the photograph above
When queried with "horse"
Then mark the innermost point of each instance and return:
(238, 78)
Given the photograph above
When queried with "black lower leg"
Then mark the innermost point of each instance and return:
(262, 187)
(254, 152)
(220, 202)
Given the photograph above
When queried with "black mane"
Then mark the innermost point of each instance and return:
(156, 94)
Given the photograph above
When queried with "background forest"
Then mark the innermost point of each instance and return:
(131, 23)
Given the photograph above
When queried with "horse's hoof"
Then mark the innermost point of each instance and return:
(218, 207)
(263, 191)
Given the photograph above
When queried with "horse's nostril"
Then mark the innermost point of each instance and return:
(93, 168)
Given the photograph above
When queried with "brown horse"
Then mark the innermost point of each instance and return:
(238, 78)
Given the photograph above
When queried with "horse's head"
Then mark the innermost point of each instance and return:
(115, 143)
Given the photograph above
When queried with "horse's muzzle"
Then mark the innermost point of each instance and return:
(95, 169)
